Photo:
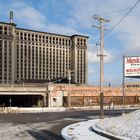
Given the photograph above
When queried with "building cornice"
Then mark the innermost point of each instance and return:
(42, 32)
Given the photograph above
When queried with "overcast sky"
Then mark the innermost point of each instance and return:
(75, 16)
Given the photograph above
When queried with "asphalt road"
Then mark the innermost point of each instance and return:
(47, 126)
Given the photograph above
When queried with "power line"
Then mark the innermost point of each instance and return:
(123, 17)
(115, 11)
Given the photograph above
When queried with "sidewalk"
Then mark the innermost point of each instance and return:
(31, 109)
(55, 109)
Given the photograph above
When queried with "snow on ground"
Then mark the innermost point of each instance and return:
(10, 131)
(127, 125)
(81, 131)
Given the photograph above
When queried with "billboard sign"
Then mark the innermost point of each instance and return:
(132, 66)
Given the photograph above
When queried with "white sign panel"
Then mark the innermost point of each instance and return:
(132, 66)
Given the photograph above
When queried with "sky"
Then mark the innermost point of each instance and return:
(70, 17)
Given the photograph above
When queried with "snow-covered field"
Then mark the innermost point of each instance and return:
(126, 125)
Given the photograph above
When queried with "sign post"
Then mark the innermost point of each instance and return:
(123, 84)
(10, 101)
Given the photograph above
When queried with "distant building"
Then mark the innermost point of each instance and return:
(31, 55)
(132, 85)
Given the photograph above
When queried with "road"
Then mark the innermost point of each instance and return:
(43, 126)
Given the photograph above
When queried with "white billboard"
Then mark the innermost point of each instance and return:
(132, 66)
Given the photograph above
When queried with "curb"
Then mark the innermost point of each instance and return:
(70, 132)
(107, 134)
(66, 132)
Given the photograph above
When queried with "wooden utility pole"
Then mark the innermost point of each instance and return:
(69, 92)
(101, 55)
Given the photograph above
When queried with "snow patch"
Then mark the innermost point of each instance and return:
(127, 126)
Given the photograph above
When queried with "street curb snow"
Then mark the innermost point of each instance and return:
(46, 109)
(71, 132)
(66, 132)
(107, 134)
(81, 131)
(32, 109)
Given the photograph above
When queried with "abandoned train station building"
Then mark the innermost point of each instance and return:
(30, 60)
(30, 56)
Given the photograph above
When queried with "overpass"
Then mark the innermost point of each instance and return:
(23, 95)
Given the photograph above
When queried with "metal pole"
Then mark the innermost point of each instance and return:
(123, 84)
(10, 101)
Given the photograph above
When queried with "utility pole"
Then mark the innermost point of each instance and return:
(69, 96)
(101, 55)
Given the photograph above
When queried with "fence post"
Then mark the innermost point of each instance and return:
(84, 100)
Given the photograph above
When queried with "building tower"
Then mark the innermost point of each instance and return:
(36, 56)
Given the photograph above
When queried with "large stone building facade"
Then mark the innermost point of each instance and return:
(35, 55)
